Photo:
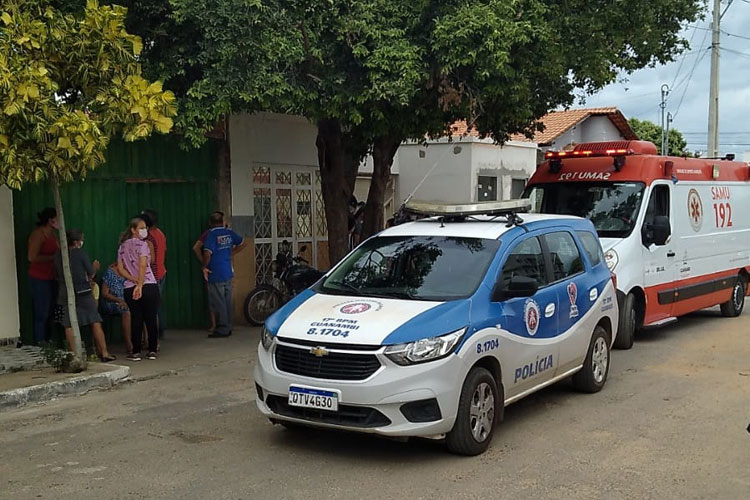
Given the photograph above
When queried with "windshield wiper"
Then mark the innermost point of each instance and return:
(347, 286)
(396, 294)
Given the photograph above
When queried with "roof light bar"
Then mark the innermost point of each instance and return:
(430, 209)
(587, 153)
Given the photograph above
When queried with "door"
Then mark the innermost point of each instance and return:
(530, 323)
(574, 297)
(660, 260)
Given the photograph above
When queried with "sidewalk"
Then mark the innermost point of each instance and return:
(180, 351)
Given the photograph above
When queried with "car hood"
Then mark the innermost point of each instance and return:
(341, 319)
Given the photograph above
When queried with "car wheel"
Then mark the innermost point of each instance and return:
(733, 307)
(261, 303)
(627, 324)
(477, 414)
(593, 375)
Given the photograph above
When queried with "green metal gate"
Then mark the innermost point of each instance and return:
(179, 185)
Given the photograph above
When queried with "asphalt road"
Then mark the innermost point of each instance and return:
(671, 423)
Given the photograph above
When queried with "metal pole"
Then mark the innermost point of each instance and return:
(713, 99)
(663, 106)
(665, 151)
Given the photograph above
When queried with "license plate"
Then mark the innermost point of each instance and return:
(320, 399)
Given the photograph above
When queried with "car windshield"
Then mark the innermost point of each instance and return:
(436, 268)
(611, 206)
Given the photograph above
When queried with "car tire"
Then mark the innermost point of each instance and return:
(734, 306)
(593, 375)
(477, 414)
(628, 323)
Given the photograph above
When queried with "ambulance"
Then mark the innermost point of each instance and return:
(675, 231)
(430, 328)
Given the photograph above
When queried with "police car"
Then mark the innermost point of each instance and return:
(432, 327)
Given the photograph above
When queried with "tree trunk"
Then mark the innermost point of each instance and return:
(79, 361)
(334, 186)
(383, 151)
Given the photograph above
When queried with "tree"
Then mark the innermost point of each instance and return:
(69, 81)
(649, 131)
(371, 73)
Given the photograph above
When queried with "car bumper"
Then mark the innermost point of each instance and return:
(373, 405)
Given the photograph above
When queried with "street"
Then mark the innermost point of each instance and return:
(670, 423)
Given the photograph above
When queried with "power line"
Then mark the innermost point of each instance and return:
(736, 36)
(682, 59)
(690, 75)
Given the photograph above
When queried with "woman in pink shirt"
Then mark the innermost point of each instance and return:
(141, 290)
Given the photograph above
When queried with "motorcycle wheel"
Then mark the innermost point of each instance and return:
(263, 301)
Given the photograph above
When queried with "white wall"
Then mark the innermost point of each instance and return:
(266, 139)
(591, 129)
(9, 319)
(450, 180)
(514, 160)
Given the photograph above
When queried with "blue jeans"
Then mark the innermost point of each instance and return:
(43, 299)
(220, 302)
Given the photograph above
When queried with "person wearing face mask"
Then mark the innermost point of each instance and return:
(141, 290)
(82, 271)
(42, 249)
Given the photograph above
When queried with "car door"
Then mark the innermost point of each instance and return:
(576, 294)
(660, 260)
(529, 353)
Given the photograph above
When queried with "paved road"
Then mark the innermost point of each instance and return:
(671, 423)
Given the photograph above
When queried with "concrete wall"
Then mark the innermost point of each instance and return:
(450, 180)
(514, 160)
(9, 319)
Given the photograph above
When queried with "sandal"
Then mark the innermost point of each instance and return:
(107, 359)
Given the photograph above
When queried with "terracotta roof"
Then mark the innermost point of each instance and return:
(557, 123)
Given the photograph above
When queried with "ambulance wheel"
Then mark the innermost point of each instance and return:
(593, 375)
(477, 414)
(628, 323)
(733, 307)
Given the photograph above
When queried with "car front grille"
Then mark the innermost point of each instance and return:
(333, 366)
(350, 416)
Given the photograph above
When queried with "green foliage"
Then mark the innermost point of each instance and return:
(68, 82)
(410, 68)
(649, 131)
(61, 361)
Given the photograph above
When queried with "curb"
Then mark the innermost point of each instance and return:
(78, 386)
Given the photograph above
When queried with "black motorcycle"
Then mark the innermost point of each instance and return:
(291, 276)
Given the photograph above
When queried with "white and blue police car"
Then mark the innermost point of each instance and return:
(432, 327)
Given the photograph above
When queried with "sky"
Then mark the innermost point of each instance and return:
(638, 95)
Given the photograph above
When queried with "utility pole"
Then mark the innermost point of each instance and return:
(713, 99)
(663, 106)
(665, 151)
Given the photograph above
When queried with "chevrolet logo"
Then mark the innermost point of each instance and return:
(319, 351)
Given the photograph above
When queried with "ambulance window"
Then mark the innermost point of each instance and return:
(658, 204)
(526, 260)
(564, 256)
(592, 247)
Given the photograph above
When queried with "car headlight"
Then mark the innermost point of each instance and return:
(266, 339)
(611, 259)
(424, 350)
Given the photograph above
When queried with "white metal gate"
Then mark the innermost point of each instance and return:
(288, 206)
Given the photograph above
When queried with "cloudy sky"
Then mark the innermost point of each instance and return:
(639, 94)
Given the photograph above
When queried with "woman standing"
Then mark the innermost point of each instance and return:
(82, 271)
(43, 247)
(141, 290)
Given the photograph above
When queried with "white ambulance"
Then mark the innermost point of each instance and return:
(432, 327)
(674, 230)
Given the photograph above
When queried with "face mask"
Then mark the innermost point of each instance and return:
(142, 233)
(80, 244)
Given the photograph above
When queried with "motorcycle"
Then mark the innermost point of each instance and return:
(291, 276)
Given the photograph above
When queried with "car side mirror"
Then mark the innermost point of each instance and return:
(657, 232)
(518, 286)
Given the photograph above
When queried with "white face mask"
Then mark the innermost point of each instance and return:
(143, 233)
(80, 244)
